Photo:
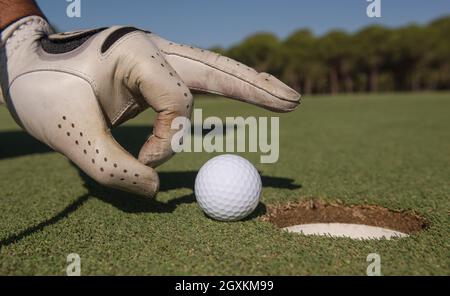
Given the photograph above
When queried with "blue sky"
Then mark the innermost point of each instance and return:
(214, 22)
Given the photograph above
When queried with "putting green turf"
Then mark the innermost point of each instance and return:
(392, 150)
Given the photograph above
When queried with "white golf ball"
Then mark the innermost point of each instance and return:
(228, 188)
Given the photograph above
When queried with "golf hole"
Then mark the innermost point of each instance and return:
(338, 220)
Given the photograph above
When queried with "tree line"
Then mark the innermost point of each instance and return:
(376, 58)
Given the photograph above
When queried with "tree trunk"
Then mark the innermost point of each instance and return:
(334, 80)
(415, 81)
(307, 88)
(296, 85)
(348, 83)
(373, 80)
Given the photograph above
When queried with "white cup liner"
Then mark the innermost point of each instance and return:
(354, 231)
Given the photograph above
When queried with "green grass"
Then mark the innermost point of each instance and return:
(392, 150)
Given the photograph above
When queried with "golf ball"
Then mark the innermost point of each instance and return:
(228, 188)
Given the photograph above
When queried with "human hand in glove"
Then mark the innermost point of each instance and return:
(69, 90)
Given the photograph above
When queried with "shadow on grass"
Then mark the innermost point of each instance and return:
(130, 203)
(131, 138)
(186, 179)
(19, 143)
(12, 239)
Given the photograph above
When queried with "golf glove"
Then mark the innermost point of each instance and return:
(69, 90)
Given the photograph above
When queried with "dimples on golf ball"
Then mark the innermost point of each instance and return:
(228, 187)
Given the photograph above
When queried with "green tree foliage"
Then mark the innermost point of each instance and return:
(371, 52)
(437, 59)
(262, 51)
(219, 50)
(407, 47)
(373, 59)
(336, 49)
(303, 66)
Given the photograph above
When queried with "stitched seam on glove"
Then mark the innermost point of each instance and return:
(223, 71)
(122, 111)
(109, 52)
(80, 75)
(104, 56)
(9, 33)
(235, 97)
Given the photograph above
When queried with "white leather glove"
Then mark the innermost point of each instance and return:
(68, 90)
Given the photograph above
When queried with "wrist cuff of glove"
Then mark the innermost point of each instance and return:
(24, 29)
